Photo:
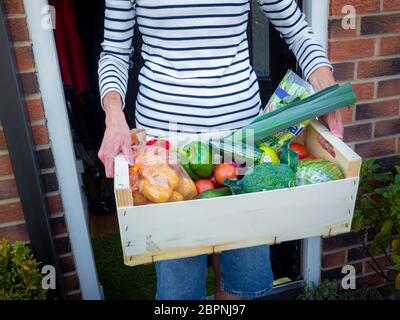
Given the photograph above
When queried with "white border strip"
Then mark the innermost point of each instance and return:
(51, 87)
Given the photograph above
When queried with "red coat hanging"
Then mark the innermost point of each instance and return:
(69, 47)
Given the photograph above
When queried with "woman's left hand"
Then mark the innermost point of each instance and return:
(320, 79)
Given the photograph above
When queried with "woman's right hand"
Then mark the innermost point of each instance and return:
(117, 138)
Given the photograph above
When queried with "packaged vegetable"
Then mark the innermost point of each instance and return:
(317, 171)
(158, 177)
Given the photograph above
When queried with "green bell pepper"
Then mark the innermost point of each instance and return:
(197, 160)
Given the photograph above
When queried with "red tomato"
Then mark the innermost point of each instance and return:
(204, 185)
(311, 158)
(162, 143)
(299, 149)
(225, 171)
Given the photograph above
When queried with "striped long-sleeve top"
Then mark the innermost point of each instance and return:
(196, 71)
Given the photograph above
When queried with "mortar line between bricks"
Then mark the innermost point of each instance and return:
(364, 37)
(61, 235)
(48, 171)
(71, 293)
(363, 80)
(69, 274)
(65, 255)
(21, 44)
(26, 71)
(381, 5)
(52, 193)
(341, 249)
(8, 177)
(12, 224)
(367, 59)
(40, 147)
(57, 215)
(3, 152)
(16, 15)
(381, 99)
(33, 96)
(37, 123)
(9, 201)
(368, 14)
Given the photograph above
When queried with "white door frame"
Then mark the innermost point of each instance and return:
(51, 88)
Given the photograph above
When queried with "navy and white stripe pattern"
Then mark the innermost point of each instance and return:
(197, 72)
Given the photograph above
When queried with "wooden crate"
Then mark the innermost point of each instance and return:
(182, 229)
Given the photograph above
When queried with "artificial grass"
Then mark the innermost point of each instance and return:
(127, 283)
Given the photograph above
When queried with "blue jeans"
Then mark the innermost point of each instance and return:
(245, 273)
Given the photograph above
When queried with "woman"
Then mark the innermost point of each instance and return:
(197, 74)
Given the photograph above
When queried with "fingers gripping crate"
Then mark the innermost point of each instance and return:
(157, 232)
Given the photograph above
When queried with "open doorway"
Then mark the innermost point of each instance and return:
(270, 58)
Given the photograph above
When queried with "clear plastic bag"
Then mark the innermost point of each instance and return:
(292, 87)
(158, 177)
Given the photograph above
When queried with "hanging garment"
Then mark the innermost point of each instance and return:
(69, 47)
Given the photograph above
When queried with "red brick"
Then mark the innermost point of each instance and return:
(18, 29)
(67, 263)
(383, 262)
(14, 6)
(35, 109)
(369, 281)
(361, 6)
(333, 259)
(343, 240)
(347, 115)
(387, 127)
(75, 296)
(364, 91)
(378, 68)
(376, 148)
(357, 132)
(337, 31)
(10, 212)
(5, 165)
(391, 5)
(344, 71)
(24, 58)
(40, 134)
(71, 282)
(387, 88)
(55, 205)
(377, 109)
(8, 189)
(351, 49)
(390, 46)
(58, 225)
(29, 82)
(380, 24)
(336, 273)
(3, 143)
(14, 233)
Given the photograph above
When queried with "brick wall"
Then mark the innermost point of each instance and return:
(369, 57)
(12, 223)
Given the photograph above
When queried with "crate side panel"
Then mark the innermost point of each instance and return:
(280, 215)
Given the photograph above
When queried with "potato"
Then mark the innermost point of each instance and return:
(187, 188)
(138, 198)
(176, 196)
(155, 193)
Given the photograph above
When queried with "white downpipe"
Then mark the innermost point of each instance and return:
(317, 14)
(51, 88)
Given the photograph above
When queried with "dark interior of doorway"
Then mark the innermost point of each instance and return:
(87, 125)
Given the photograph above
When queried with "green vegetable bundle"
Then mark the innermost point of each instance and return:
(325, 101)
